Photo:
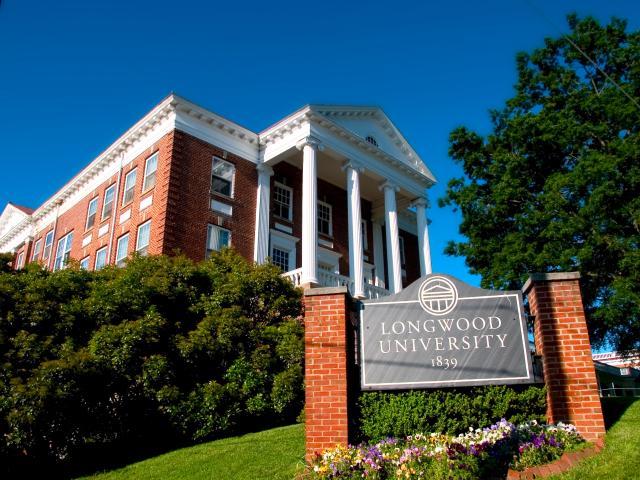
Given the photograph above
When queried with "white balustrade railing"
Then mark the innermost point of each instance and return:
(329, 279)
(294, 276)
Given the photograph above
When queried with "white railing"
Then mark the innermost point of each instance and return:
(294, 276)
(328, 279)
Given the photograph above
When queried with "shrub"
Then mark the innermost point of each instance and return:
(163, 348)
(383, 414)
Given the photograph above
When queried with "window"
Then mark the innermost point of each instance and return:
(324, 219)
(280, 258)
(36, 250)
(19, 261)
(84, 263)
(365, 240)
(91, 213)
(142, 242)
(101, 258)
(222, 174)
(283, 250)
(107, 206)
(122, 249)
(129, 187)
(62, 251)
(282, 201)
(150, 167)
(217, 238)
(372, 140)
(48, 244)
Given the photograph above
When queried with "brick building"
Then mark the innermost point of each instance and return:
(334, 195)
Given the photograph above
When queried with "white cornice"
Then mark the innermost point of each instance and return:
(225, 132)
(118, 148)
(17, 235)
(217, 130)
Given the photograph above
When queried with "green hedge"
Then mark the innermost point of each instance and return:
(390, 414)
(161, 352)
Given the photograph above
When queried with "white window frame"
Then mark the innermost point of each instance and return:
(120, 258)
(325, 204)
(282, 186)
(148, 184)
(130, 188)
(48, 243)
(285, 242)
(139, 247)
(369, 276)
(111, 190)
(84, 263)
(93, 202)
(98, 254)
(211, 229)
(64, 253)
(37, 247)
(215, 160)
(20, 261)
(329, 259)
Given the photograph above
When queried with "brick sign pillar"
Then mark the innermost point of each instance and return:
(326, 329)
(561, 337)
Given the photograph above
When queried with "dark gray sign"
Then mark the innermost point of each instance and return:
(441, 332)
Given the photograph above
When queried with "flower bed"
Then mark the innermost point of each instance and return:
(481, 453)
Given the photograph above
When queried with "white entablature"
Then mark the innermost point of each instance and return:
(361, 134)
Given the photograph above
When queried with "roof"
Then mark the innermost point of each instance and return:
(26, 210)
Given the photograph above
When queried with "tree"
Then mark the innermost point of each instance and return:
(556, 185)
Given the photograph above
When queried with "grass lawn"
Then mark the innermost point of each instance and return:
(620, 459)
(273, 454)
(277, 454)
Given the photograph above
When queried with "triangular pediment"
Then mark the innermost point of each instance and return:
(372, 125)
(12, 216)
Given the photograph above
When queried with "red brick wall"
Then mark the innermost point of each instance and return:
(326, 370)
(181, 209)
(26, 249)
(189, 196)
(561, 337)
(74, 219)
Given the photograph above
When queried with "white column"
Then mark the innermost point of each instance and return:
(356, 261)
(309, 147)
(424, 249)
(261, 243)
(393, 242)
(378, 254)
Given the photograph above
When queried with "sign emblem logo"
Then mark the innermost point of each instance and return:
(438, 296)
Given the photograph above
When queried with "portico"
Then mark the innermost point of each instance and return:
(341, 196)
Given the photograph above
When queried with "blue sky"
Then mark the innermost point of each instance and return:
(74, 75)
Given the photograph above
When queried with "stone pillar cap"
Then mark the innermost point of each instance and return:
(548, 277)
(310, 292)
